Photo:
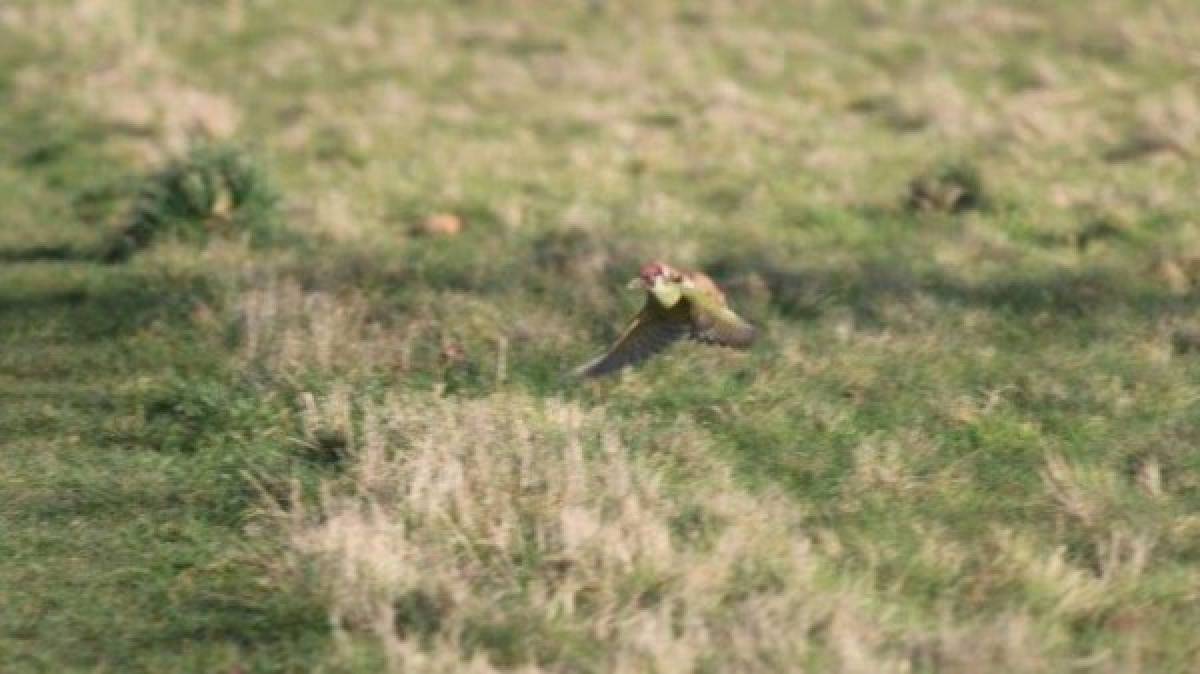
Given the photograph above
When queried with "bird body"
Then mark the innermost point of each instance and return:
(678, 305)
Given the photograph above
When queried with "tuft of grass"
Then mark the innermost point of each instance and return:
(949, 187)
(214, 190)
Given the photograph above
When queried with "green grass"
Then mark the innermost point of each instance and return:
(127, 447)
(968, 234)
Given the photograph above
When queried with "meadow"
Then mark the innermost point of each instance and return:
(290, 292)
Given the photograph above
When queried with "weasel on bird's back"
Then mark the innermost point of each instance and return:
(679, 305)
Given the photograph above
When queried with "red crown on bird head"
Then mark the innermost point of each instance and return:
(652, 270)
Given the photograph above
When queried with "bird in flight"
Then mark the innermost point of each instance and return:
(678, 305)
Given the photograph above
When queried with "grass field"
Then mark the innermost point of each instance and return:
(263, 410)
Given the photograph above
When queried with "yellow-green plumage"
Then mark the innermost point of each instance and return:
(678, 305)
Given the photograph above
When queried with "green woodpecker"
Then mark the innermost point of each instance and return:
(678, 305)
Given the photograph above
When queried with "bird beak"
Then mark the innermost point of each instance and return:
(637, 283)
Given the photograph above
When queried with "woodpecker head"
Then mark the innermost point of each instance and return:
(660, 280)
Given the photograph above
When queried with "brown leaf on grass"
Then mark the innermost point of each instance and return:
(442, 224)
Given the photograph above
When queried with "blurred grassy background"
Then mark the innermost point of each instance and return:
(968, 230)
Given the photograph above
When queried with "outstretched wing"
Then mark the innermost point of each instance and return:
(715, 323)
(652, 330)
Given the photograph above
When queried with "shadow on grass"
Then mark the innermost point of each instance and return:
(47, 254)
(104, 306)
(1063, 293)
(805, 293)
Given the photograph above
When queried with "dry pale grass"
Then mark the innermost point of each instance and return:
(289, 331)
(533, 520)
(131, 81)
(511, 532)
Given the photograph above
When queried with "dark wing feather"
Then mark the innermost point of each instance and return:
(652, 330)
